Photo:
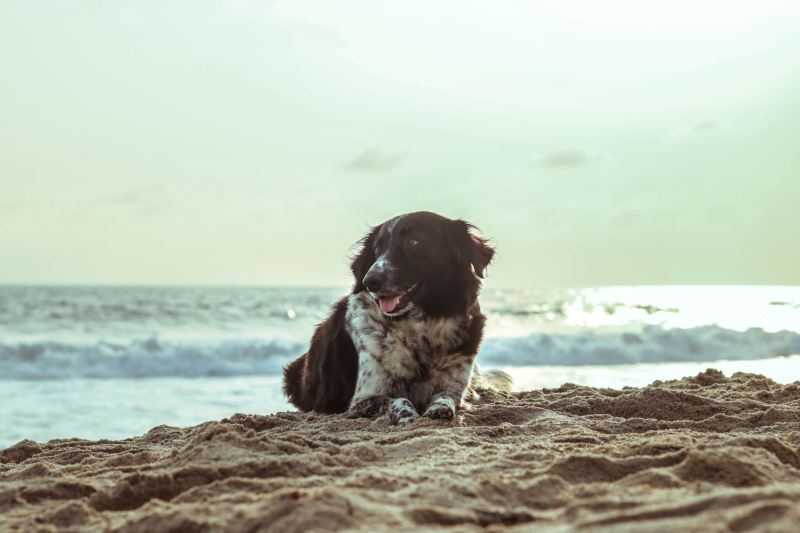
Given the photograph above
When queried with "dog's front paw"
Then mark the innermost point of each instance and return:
(402, 412)
(368, 407)
(442, 408)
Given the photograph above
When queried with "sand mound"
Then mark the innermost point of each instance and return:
(707, 453)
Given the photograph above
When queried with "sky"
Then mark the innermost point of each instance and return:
(252, 142)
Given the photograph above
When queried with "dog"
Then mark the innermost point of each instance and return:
(405, 340)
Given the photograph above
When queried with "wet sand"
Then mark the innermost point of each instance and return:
(706, 453)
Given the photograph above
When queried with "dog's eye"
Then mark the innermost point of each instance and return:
(412, 242)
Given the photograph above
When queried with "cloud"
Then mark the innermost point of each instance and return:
(626, 219)
(142, 200)
(375, 160)
(132, 196)
(568, 159)
(704, 127)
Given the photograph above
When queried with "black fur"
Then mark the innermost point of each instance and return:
(323, 379)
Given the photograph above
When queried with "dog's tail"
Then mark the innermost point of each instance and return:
(293, 381)
(495, 380)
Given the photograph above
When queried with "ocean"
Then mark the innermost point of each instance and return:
(112, 362)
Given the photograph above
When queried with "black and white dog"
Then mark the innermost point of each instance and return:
(406, 338)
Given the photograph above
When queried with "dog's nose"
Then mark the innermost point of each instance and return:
(373, 281)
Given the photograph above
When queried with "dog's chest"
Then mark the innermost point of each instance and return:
(405, 348)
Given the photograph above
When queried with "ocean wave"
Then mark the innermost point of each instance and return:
(149, 357)
(652, 344)
(155, 357)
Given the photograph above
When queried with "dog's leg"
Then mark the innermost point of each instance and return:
(401, 412)
(450, 388)
(443, 407)
(371, 396)
(368, 407)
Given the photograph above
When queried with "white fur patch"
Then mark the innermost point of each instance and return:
(413, 358)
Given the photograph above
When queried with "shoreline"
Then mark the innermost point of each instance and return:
(69, 408)
(703, 453)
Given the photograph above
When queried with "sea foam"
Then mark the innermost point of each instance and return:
(156, 357)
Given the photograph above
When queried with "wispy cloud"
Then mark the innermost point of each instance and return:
(132, 196)
(570, 158)
(375, 160)
(704, 127)
(626, 219)
(142, 200)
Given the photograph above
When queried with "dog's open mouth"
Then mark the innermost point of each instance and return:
(394, 303)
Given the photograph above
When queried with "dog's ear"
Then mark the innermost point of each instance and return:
(473, 248)
(364, 258)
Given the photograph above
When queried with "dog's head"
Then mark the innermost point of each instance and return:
(422, 260)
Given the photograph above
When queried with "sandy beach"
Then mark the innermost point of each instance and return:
(705, 453)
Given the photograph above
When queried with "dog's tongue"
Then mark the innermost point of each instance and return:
(389, 303)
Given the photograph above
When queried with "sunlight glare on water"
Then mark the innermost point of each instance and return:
(737, 308)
